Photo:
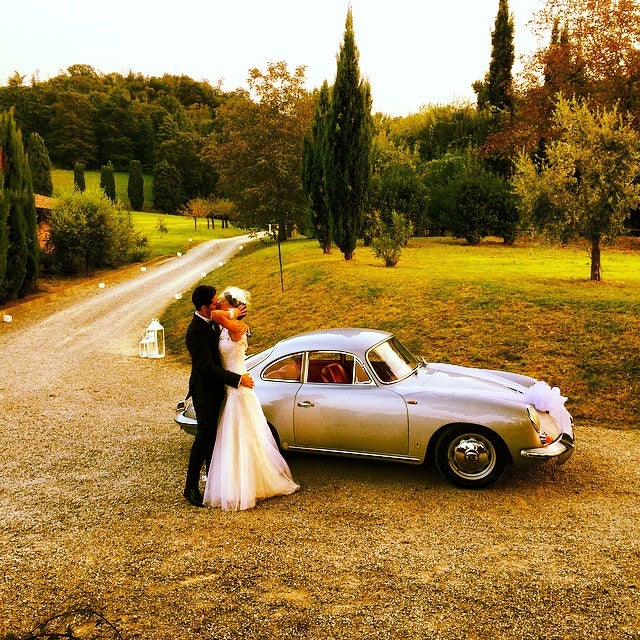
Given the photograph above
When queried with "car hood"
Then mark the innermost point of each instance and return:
(500, 386)
(451, 379)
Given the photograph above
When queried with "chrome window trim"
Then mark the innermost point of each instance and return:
(354, 382)
(287, 357)
(377, 377)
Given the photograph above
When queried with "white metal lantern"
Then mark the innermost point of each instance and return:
(152, 343)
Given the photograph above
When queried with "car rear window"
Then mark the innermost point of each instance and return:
(287, 369)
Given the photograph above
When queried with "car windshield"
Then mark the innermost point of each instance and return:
(391, 361)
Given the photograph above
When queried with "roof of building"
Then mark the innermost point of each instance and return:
(43, 202)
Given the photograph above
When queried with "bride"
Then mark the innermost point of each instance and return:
(246, 465)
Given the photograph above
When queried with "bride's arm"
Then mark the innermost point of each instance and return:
(236, 328)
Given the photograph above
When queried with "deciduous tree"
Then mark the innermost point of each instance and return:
(470, 200)
(441, 129)
(222, 209)
(259, 149)
(591, 53)
(197, 208)
(72, 138)
(396, 181)
(394, 237)
(601, 39)
(115, 126)
(588, 184)
(198, 175)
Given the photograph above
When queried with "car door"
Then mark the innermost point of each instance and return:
(356, 416)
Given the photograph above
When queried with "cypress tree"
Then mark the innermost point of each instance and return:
(167, 191)
(135, 187)
(4, 218)
(33, 244)
(19, 262)
(312, 170)
(40, 165)
(497, 89)
(347, 157)
(108, 181)
(79, 184)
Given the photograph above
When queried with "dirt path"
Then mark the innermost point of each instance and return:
(81, 321)
(92, 513)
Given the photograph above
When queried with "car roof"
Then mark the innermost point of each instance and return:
(341, 339)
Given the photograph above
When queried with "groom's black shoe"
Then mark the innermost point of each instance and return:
(194, 497)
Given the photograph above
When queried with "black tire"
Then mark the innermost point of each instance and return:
(470, 456)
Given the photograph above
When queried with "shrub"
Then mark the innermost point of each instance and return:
(389, 244)
(387, 248)
(161, 225)
(89, 232)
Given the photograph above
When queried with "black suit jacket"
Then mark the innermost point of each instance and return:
(208, 378)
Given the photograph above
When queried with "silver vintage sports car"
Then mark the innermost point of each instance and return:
(360, 393)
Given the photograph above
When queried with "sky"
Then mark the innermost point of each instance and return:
(413, 52)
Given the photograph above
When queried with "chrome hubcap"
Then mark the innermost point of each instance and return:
(471, 456)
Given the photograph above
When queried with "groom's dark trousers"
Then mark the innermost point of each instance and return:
(207, 389)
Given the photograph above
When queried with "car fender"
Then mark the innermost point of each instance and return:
(431, 412)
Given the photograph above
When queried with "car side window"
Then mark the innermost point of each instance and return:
(287, 369)
(330, 367)
(361, 375)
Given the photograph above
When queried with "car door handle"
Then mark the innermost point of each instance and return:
(306, 403)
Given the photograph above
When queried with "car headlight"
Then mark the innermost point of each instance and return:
(532, 414)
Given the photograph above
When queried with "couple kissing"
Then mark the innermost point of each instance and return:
(233, 439)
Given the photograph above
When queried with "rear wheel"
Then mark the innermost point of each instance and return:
(275, 435)
(471, 457)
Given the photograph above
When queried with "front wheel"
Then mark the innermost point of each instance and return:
(470, 457)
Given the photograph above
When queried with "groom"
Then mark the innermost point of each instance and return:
(206, 384)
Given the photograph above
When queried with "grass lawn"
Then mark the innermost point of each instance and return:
(528, 308)
(181, 233)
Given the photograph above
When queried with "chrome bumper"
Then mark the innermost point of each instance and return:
(186, 417)
(560, 450)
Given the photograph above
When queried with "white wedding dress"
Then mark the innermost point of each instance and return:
(246, 465)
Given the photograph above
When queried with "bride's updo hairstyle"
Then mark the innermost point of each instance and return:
(236, 296)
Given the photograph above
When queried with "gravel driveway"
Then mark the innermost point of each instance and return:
(92, 511)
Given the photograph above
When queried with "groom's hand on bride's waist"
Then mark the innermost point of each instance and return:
(246, 381)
